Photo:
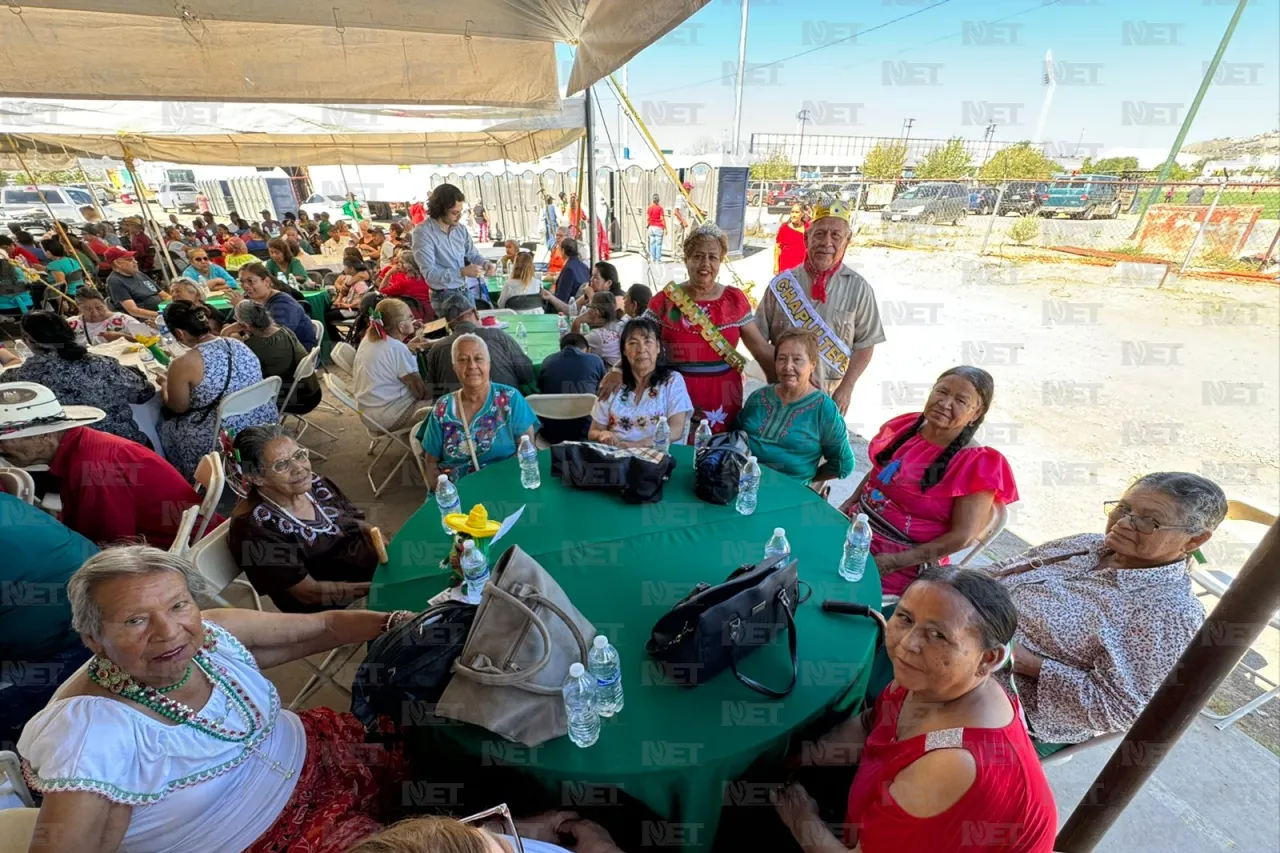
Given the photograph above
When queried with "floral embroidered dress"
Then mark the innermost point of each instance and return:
(494, 432)
(634, 418)
(795, 438)
(892, 491)
(714, 386)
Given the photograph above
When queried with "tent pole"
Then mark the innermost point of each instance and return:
(62, 235)
(93, 196)
(588, 100)
(166, 261)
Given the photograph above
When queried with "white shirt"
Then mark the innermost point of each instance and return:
(378, 367)
(189, 791)
(516, 287)
(115, 322)
(635, 420)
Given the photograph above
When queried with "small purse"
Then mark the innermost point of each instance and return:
(718, 467)
(636, 473)
(714, 627)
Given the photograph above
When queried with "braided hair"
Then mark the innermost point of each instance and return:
(985, 386)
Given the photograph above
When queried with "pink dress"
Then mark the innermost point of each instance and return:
(893, 490)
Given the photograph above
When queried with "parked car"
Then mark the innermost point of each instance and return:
(1083, 197)
(935, 201)
(1023, 197)
(179, 197)
(761, 192)
(982, 200)
(18, 201)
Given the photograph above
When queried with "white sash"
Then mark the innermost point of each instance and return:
(799, 312)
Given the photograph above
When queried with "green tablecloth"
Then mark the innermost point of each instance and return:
(672, 748)
(543, 331)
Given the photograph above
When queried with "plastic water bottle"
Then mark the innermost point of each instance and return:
(21, 350)
(475, 571)
(580, 706)
(167, 340)
(662, 435)
(522, 336)
(562, 323)
(748, 486)
(447, 500)
(857, 545)
(777, 546)
(529, 476)
(702, 437)
(606, 668)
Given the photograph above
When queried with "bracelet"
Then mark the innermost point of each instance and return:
(395, 619)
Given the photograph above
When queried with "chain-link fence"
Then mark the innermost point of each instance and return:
(1223, 226)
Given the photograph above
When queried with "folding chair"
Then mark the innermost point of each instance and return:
(344, 356)
(214, 562)
(966, 556)
(528, 303)
(319, 327)
(246, 400)
(182, 539)
(18, 483)
(1062, 756)
(11, 770)
(419, 454)
(562, 407)
(305, 370)
(377, 433)
(1215, 583)
(211, 475)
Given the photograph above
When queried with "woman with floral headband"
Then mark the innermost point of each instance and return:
(387, 384)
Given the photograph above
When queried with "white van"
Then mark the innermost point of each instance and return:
(179, 197)
(17, 202)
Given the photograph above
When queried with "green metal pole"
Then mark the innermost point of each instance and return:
(1191, 112)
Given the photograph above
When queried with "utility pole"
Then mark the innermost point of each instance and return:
(990, 134)
(804, 116)
(742, 71)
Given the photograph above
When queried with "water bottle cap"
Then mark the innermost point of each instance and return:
(443, 478)
(576, 670)
(469, 545)
(778, 531)
(862, 516)
(601, 641)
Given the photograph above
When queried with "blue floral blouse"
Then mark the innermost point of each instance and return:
(495, 430)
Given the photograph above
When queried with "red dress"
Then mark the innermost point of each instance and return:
(791, 247)
(714, 387)
(1009, 809)
(893, 490)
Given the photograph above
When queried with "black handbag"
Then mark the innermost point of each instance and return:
(718, 467)
(411, 664)
(714, 627)
(636, 473)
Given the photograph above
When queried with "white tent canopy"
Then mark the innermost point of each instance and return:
(232, 134)
(492, 52)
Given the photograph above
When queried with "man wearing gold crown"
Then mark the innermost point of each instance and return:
(825, 295)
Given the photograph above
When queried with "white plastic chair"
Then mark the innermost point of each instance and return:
(246, 400)
(966, 556)
(344, 357)
(319, 327)
(213, 478)
(18, 483)
(1215, 583)
(1062, 756)
(561, 407)
(378, 434)
(305, 370)
(214, 562)
(11, 769)
(182, 539)
(419, 454)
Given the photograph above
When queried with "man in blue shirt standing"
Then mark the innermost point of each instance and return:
(444, 251)
(40, 649)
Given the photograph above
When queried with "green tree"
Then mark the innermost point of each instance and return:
(885, 161)
(1110, 166)
(945, 163)
(1021, 162)
(775, 167)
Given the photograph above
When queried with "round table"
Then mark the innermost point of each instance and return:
(672, 748)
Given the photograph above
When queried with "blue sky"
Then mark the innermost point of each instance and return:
(1128, 69)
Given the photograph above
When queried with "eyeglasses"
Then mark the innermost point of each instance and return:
(199, 258)
(1141, 523)
(299, 458)
(508, 823)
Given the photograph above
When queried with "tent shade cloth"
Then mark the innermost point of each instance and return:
(493, 52)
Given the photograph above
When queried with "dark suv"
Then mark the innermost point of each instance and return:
(1022, 197)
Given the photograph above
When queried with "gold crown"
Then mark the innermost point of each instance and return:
(836, 208)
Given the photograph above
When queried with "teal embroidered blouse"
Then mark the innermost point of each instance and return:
(803, 439)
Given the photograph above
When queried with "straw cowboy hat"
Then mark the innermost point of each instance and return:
(28, 409)
(475, 523)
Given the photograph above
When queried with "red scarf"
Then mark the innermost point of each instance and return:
(819, 279)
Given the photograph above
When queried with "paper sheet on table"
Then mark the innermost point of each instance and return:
(454, 593)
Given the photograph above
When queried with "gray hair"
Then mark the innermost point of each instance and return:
(126, 560)
(471, 338)
(189, 282)
(251, 444)
(253, 315)
(1202, 503)
(706, 231)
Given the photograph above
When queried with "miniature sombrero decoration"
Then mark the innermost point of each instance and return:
(475, 523)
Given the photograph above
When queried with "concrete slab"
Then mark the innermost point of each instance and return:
(1214, 791)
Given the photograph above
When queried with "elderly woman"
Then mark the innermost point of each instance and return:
(403, 278)
(206, 272)
(1103, 617)
(186, 290)
(279, 352)
(172, 739)
(388, 386)
(932, 488)
(295, 535)
(702, 322)
(236, 255)
(650, 389)
(197, 381)
(61, 362)
(98, 324)
(793, 427)
(944, 748)
(477, 425)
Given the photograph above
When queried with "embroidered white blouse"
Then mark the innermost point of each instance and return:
(189, 791)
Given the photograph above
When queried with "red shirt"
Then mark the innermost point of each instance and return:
(114, 489)
(1009, 808)
(791, 247)
(656, 218)
(26, 254)
(144, 249)
(400, 283)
